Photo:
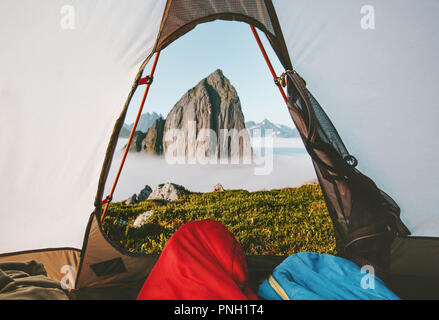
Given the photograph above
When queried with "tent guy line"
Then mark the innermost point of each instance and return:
(148, 81)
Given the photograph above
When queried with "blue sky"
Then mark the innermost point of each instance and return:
(225, 45)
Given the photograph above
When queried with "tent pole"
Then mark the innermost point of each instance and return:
(133, 130)
(267, 60)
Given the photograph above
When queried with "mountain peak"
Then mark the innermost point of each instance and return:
(219, 82)
(216, 73)
(212, 104)
(217, 77)
(214, 82)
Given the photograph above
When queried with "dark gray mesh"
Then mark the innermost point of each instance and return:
(325, 129)
(183, 12)
(366, 219)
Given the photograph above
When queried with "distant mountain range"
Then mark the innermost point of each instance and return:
(279, 130)
(145, 122)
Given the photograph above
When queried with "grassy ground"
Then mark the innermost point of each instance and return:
(276, 222)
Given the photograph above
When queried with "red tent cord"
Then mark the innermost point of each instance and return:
(267, 60)
(148, 84)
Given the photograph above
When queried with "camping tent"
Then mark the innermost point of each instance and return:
(372, 69)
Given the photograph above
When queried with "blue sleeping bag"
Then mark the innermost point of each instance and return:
(313, 276)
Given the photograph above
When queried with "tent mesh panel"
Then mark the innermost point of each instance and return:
(181, 13)
(366, 219)
(326, 131)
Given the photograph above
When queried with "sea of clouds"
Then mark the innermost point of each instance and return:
(291, 167)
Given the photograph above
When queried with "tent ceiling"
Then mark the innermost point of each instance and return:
(182, 15)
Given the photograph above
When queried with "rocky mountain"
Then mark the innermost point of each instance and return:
(165, 192)
(136, 144)
(212, 104)
(153, 140)
(279, 130)
(145, 122)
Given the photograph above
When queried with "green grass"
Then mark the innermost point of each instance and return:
(276, 222)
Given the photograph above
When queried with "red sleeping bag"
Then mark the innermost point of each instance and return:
(201, 261)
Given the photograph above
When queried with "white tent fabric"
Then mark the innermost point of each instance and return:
(379, 88)
(66, 72)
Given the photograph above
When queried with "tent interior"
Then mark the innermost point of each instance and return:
(89, 76)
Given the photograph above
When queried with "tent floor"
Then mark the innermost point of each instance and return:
(260, 267)
(414, 272)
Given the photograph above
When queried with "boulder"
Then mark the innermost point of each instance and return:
(131, 200)
(312, 182)
(144, 194)
(142, 219)
(166, 192)
(218, 188)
